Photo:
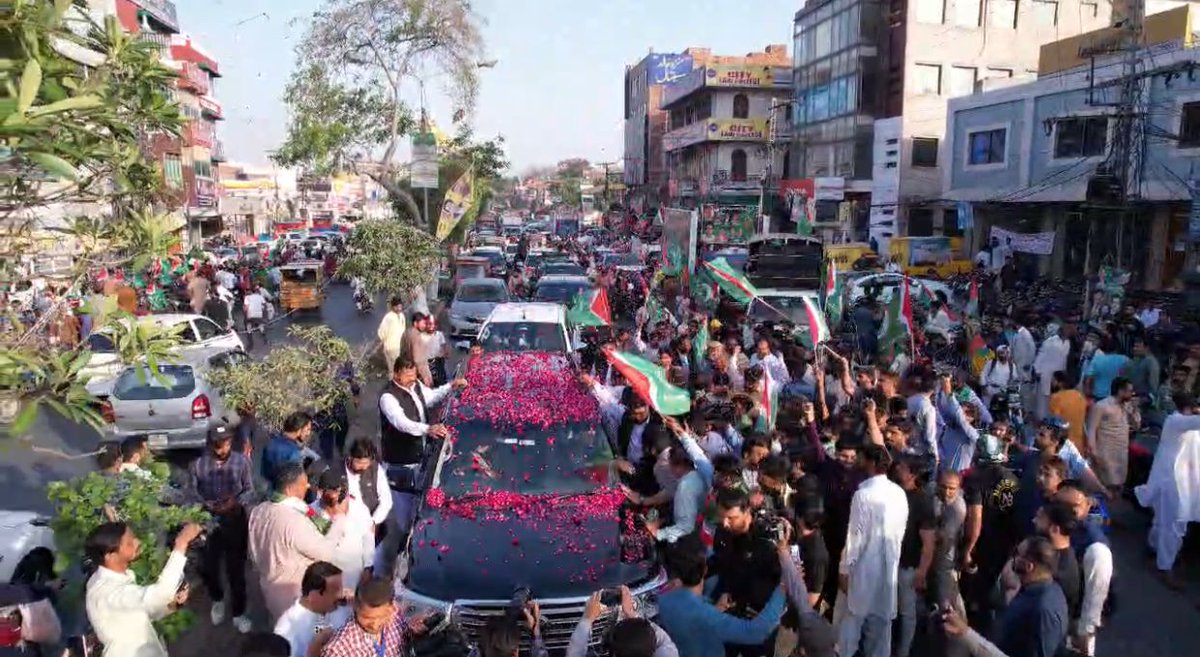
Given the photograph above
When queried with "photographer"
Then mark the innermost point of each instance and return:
(744, 560)
(501, 635)
(631, 636)
(120, 610)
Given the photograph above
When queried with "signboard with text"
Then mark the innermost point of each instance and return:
(737, 129)
(424, 168)
(739, 75)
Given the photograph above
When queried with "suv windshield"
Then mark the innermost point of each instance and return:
(563, 293)
(523, 336)
(793, 307)
(565, 268)
(564, 460)
(139, 384)
(473, 293)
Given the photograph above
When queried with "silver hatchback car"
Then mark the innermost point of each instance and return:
(175, 409)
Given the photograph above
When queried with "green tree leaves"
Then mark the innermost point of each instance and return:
(389, 256)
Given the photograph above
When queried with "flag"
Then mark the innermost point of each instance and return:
(818, 330)
(980, 354)
(458, 200)
(704, 291)
(656, 312)
(649, 381)
(768, 397)
(590, 309)
(897, 326)
(833, 295)
(733, 282)
(973, 299)
(700, 344)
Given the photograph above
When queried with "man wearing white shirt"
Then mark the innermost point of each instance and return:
(356, 551)
(319, 610)
(772, 361)
(870, 565)
(120, 610)
(404, 425)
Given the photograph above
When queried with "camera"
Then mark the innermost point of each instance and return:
(610, 597)
(769, 526)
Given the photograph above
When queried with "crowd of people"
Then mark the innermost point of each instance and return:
(817, 499)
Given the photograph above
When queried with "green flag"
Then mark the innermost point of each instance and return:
(590, 309)
(700, 344)
(731, 281)
(649, 381)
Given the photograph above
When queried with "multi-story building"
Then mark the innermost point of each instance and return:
(645, 122)
(1052, 164)
(860, 61)
(724, 118)
(187, 162)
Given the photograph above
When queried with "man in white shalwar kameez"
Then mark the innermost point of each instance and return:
(1173, 488)
(1051, 358)
(870, 566)
(391, 331)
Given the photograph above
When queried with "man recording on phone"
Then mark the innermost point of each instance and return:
(120, 610)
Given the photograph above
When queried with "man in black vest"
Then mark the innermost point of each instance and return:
(404, 423)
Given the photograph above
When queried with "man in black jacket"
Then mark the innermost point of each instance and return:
(745, 562)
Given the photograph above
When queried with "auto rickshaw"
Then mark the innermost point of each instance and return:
(303, 285)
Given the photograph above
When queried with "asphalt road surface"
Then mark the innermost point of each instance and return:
(1151, 619)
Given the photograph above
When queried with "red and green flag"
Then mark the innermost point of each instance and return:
(818, 330)
(980, 354)
(590, 309)
(732, 282)
(650, 383)
(833, 294)
(768, 398)
(897, 326)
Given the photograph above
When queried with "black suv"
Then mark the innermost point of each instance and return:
(523, 497)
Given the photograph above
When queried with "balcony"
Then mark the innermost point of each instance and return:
(198, 133)
(191, 76)
(163, 41)
(218, 151)
(210, 108)
(161, 12)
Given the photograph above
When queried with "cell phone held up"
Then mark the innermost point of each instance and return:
(610, 597)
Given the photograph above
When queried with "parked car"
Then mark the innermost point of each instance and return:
(472, 303)
(526, 326)
(562, 269)
(196, 333)
(26, 547)
(175, 408)
(884, 284)
(495, 256)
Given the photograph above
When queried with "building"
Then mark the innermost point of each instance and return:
(188, 163)
(724, 118)
(644, 163)
(1044, 162)
(857, 62)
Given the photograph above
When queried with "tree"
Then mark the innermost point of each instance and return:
(346, 94)
(310, 367)
(71, 133)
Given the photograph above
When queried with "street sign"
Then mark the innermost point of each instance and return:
(424, 168)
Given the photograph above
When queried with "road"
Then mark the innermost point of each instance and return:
(1151, 619)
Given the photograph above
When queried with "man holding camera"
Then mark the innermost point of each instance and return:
(120, 610)
(744, 560)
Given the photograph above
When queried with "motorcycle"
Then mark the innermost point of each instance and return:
(362, 301)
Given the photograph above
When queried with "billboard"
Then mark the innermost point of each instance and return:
(739, 75)
(667, 68)
(738, 129)
(424, 168)
(799, 198)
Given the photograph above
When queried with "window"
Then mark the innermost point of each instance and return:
(999, 73)
(207, 329)
(737, 166)
(1189, 125)
(986, 146)
(924, 151)
(1085, 136)
(741, 107)
(1002, 14)
(962, 80)
(1089, 9)
(203, 169)
(173, 171)
(966, 12)
(1045, 12)
(950, 223)
(931, 11)
(920, 222)
(927, 79)
(139, 384)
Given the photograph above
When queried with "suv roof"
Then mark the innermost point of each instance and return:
(528, 311)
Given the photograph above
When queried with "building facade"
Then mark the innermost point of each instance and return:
(860, 61)
(724, 119)
(1042, 162)
(645, 122)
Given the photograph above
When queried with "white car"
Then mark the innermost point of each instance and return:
(527, 326)
(174, 410)
(27, 547)
(200, 333)
(888, 282)
(789, 303)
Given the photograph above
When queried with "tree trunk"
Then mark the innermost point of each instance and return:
(397, 193)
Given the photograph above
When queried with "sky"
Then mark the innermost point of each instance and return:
(556, 90)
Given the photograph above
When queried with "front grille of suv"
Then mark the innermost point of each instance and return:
(559, 618)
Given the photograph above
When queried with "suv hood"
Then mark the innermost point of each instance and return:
(557, 547)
